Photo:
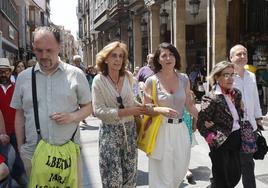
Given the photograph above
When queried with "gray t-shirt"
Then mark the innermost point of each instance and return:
(176, 100)
(61, 91)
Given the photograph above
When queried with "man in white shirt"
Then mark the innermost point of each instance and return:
(245, 81)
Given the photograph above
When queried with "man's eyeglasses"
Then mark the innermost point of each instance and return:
(120, 102)
(226, 76)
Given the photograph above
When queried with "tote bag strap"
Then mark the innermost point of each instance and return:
(35, 104)
(154, 91)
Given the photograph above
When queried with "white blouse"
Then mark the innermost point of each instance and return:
(232, 109)
(105, 105)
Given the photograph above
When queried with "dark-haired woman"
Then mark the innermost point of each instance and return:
(19, 66)
(169, 161)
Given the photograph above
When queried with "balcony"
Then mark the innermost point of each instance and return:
(79, 11)
(118, 9)
(136, 5)
(109, 13)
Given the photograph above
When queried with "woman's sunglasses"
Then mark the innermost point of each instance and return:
(120, 102)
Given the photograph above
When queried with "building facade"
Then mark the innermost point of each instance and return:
(9, 29)
(18, 20)
(202, 30)
(68, 44)
(142, 25)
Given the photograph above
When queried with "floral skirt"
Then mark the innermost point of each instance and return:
(118, 155)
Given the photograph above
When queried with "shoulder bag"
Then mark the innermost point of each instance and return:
(149, 127)
(248, 140)
(262, 147)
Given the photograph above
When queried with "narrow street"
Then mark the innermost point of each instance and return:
(200, 163)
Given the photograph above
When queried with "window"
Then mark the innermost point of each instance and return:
(10, 11)
(257, 16)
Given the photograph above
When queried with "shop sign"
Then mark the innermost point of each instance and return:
(11, 32)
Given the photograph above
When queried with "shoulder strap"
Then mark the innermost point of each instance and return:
(183, 78)
(35, 104)
(35, 107)
(154, 91)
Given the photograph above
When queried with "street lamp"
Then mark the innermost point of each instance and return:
(87, 40)
(164, 16)
(129, 31)
(143, 27)
(118, 34)
(125, 2)
(194, 4)
(164, 21)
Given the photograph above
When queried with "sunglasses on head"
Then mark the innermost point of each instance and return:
(120, 102)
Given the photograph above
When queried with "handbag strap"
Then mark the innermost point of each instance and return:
(35, 104)
(154, 91)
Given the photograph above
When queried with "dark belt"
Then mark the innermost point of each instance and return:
(171, 120)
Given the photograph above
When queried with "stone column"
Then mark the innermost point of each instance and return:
(154, 27)
(98, 41)
(137, 41)
(124, 34)
(179, 31)
(84, 60)
(220, 30)
(89, 59)
(93, 52)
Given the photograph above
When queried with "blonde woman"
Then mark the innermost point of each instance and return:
(114, 104)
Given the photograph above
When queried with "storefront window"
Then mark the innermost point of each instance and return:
(257, 16)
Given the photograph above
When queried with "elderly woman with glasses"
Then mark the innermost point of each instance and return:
(219, 123)
(113, 103)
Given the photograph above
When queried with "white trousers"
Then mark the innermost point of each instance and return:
(172, 152)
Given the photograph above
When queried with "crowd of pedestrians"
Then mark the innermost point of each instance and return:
(41, 107)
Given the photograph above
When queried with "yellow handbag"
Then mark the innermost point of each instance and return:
(149, 128)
